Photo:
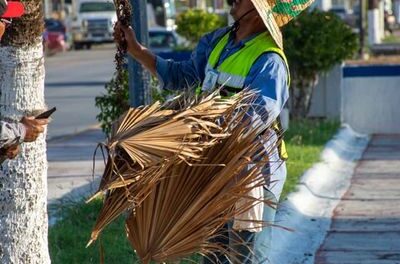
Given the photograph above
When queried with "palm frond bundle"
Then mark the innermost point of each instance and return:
(179, 174)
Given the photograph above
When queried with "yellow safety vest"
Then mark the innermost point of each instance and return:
(233, 71)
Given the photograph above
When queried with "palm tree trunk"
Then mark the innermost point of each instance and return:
(23, 193)
(23, 181)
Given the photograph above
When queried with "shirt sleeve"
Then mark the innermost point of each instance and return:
(9, 132)
(175, 75)
(269, 76)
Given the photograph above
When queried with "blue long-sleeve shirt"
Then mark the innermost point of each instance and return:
(268, 75)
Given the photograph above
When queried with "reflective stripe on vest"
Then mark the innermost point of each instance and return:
(233, 71)
(227, 79)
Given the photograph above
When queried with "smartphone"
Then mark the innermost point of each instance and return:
(46, 114)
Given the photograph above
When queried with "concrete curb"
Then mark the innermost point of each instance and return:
(308, 211)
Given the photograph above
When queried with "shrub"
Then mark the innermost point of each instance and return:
(113, 103)
(194, 23)
(314, 42)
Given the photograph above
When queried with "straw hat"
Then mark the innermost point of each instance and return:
(277, 13)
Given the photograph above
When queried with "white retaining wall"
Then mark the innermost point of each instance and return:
(365, 97)
(371, 99)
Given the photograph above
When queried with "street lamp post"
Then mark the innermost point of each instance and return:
(139, 78)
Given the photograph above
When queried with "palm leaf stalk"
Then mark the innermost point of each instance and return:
(179, 175)
(23, 191)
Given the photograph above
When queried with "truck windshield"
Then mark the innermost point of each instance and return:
(96, 7)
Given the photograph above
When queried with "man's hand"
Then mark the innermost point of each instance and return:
(12, 151)
(33, 127)
(123, 33)
(2, 28)
(134, 48)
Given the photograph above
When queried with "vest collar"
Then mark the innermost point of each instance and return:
(231, 42)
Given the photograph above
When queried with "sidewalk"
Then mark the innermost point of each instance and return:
(366, 223)
(70, 165)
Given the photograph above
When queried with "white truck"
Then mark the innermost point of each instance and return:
(92, 22)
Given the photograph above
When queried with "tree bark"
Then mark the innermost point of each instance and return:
(23, 181)
(301, 95)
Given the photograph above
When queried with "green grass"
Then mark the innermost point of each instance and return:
(305, 140)
(391, 39)
(68, 237)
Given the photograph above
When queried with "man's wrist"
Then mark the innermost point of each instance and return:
(22, 132)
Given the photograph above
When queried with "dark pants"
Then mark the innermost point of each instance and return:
(238, 247)
(244, 247)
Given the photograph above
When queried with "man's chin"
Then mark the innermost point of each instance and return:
(233, 12)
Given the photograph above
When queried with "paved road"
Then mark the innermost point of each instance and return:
(73, 80)
(366, 223)
(71, 163)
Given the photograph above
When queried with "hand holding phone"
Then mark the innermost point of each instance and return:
(33, 127)
(46, 114)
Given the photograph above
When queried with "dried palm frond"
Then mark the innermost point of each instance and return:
(180, 174)
(148, 138)
(148, 135)
(192, 202)
(143, 138)
(118, 200)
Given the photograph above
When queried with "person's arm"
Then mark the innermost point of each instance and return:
(9, 132)
(269, 76)
(139, 52)
(171, 74)
(178, 75)
(12, 134)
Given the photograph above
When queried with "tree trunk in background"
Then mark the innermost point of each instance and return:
(23, 181)
(374, 35)
(301, 92)
(396, 8)
(381, 10)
